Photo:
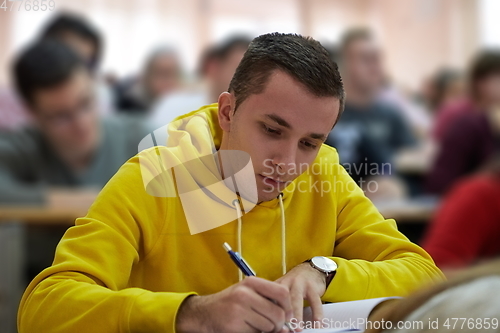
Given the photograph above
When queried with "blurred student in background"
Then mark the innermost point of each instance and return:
(161, 76)
(473, 295)
(370, 131)
(448, 94)
(75, 31)
(466, 228)
(78, 33)
(13, 115)
(448, 87)
(68, 146)
(217, 67)
(417, 117)
(469, 136)
(219, 64)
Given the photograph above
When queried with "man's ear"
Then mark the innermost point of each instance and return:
(226, 110)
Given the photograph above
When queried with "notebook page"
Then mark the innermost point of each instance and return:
(346, 314)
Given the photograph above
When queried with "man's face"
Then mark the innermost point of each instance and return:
(363, 65)
(67, 114)
(489, 89)
(163, 76)
(281, 129)
(220, 72)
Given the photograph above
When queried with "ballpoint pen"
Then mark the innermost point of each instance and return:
(246, 269)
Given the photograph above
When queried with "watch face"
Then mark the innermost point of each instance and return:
(324, 264)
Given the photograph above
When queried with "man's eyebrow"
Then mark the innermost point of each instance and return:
(282, 122)
(318, 136)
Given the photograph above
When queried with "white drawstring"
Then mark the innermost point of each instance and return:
(236, 204)
(283, 235)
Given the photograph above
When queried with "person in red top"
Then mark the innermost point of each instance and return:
(472, 133)
(466, 228)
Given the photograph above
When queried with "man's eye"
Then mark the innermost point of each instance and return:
(309, 145)
(270, 130)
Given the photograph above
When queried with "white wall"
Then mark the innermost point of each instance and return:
(418, 35)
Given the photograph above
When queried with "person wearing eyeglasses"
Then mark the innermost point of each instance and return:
(69, 152)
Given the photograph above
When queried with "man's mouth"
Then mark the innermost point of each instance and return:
(276, 183)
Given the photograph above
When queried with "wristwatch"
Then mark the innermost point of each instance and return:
(325, 265)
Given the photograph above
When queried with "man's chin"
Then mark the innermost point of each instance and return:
(267, 195)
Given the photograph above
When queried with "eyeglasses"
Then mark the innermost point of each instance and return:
(63, 118)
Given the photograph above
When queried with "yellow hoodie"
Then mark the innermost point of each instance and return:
(128, 265)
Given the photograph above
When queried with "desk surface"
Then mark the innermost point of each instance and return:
(409, 211)
(416, 161)
(41, 215)
(406, 211)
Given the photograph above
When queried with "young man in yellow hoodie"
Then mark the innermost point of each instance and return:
(252, 171)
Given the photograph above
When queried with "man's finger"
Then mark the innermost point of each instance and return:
(316, 307)
(265, 315)
(297, 296)
(259, 323)
(272, 290)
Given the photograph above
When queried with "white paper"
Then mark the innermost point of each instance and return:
(344, 315)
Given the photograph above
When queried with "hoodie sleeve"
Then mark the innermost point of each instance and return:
(87, 287)
(374, 259)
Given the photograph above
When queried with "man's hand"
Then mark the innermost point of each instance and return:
(241, 308)
(305, 283)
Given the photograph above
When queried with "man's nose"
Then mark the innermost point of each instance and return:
(284, 159)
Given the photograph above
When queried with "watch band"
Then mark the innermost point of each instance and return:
(329, 277)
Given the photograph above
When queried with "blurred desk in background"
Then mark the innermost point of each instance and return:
(403, 211)
(415, 161)
(413, 165)
(412, 215)
(41, 215)
(418, 210)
